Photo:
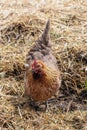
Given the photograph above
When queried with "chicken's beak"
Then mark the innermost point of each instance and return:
(33, 70)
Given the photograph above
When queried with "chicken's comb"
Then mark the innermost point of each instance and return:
(34, 63)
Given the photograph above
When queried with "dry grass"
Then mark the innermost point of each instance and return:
(19, 28)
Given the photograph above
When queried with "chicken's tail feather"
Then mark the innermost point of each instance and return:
(45, 37)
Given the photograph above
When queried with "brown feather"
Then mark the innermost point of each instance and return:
(45, 87)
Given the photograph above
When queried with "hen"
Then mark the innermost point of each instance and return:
(42, 76)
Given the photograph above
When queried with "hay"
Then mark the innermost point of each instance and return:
(69, 37)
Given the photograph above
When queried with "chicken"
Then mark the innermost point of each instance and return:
(42, 76)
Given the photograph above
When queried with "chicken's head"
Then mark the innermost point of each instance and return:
(37, 69)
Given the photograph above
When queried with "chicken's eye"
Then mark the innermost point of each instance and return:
(38, 65)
